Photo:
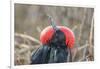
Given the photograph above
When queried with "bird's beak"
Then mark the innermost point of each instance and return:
(52, 23)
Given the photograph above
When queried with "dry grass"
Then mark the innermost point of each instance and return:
(30, 20)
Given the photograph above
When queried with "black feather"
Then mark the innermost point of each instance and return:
(55, 51)
(40, 55)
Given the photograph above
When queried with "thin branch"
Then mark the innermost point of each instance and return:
(74, 28)
(82, 47)
(81, 26)
(91, 32)
(74, 54)
(90, 48)
(28, 37)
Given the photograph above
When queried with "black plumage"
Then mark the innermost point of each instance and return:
(55, 51)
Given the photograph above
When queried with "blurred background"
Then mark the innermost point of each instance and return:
(30, 20)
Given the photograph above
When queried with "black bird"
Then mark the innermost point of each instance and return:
(56, 44)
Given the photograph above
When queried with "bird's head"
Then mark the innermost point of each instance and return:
(59, 37)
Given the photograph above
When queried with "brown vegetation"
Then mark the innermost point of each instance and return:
(30, 20)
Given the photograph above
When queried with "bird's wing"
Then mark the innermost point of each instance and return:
(40, 55)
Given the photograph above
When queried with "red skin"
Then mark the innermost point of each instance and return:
(48, 32)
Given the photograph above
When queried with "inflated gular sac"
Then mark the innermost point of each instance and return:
(48, 33)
